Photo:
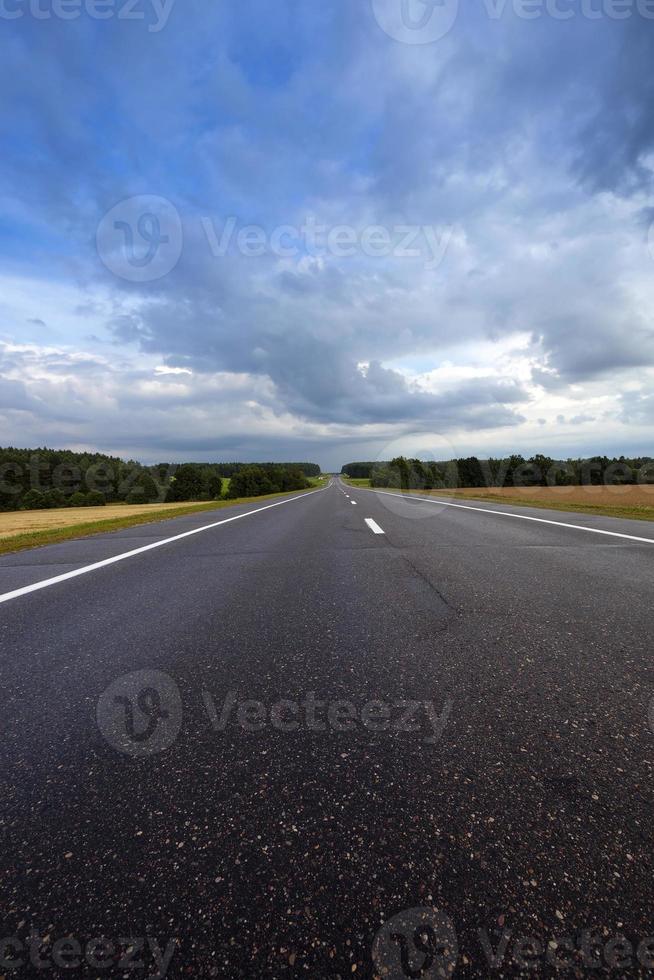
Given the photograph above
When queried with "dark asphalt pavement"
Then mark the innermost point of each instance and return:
(266, 740)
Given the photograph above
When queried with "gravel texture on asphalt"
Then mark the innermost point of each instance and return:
(265, 741)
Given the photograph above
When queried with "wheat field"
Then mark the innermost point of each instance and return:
(14, 523)
(627, 496)
(626, 501)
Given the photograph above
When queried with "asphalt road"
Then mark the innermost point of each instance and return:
(265, 740)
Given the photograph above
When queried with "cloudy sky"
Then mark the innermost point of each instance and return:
(327, 230)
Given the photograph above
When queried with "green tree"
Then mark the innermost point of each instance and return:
(34, 500)
(54, 498)
(251, 481)
(187, 484)
(95, 499)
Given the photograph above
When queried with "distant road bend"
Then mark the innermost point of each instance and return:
(248, 741)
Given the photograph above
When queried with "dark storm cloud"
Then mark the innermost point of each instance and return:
(505, 130)
(619, 135)
(584, 349)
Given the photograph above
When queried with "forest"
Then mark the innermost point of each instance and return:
(510, 471)
(46, 478)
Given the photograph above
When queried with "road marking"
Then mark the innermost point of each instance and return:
(46, 583)
(353, 502)
(518, 517)
(374, 526)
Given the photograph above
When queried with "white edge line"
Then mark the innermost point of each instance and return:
(518, 517)
(45, 583)
(374, 526)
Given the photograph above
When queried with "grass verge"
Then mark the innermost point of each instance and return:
(55, 535)
(355, 482)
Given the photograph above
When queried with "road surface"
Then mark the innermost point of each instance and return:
(265, 739)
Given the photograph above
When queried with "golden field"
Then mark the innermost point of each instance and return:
(33, 528)
(28, 521)
(627, 501)
(633, 496)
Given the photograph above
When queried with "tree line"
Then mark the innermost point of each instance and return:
(45, 478)
(193, 481)
(510, 471)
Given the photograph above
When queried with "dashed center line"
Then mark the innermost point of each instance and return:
(374, 526)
